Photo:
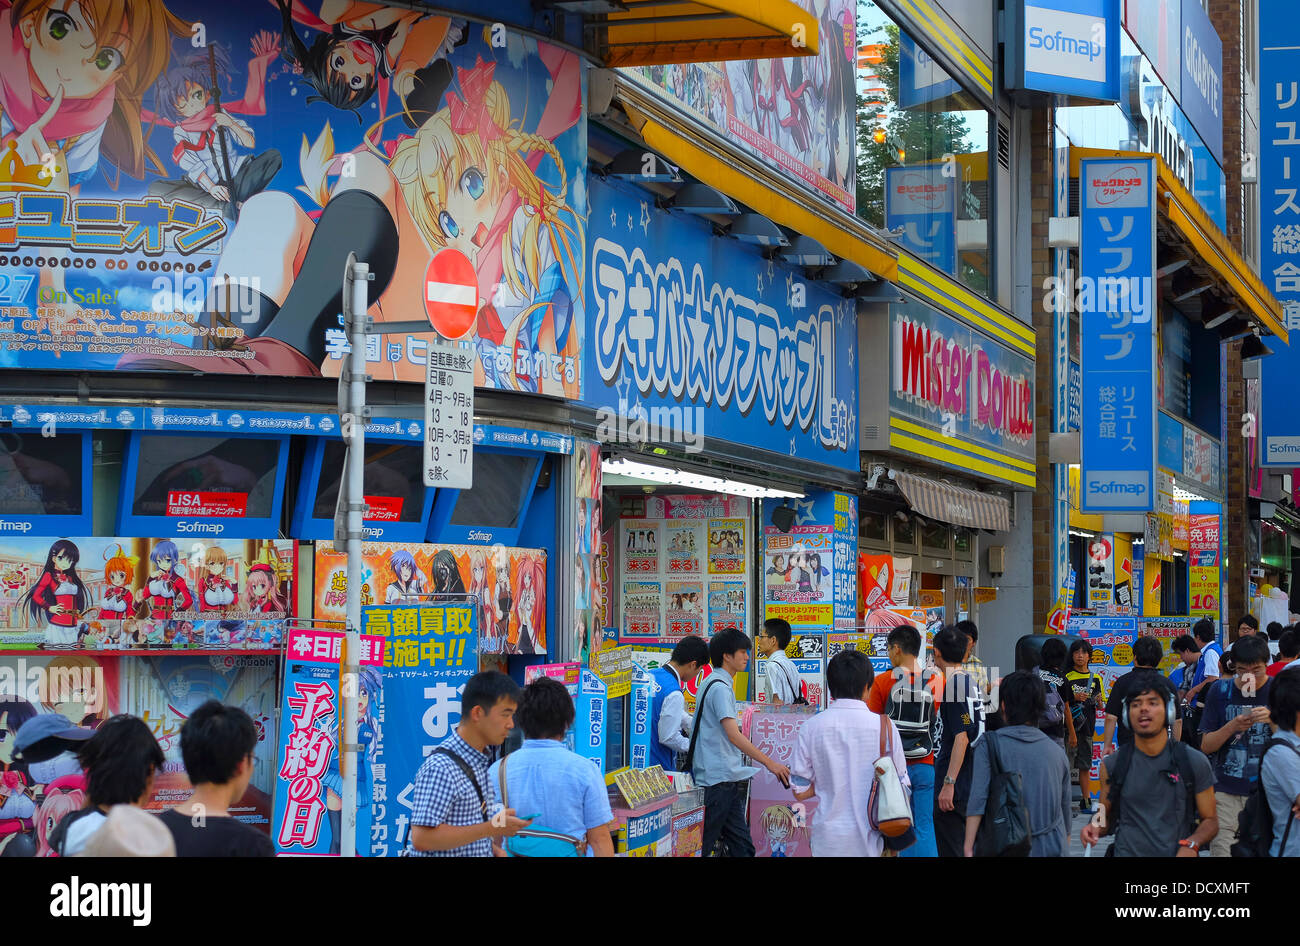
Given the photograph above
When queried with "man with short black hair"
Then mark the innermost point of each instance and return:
(1248, 626)
(1275, 630)
(217, 745)
(1234, 732)
(451, 815)
(1280, 767)
(668, 702)
(1207, 667)
(781, 680)
(971, 664)
(1147, 654)
(715, 757)
(959, 726)
(1288, 650)
(1188, 652)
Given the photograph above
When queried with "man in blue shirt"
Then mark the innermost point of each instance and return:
(672, 726)
(555, 787)
(718, 749)
(1280, 769)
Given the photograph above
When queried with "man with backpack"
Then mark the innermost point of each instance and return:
(781, 681)
(1279, 769)
(1207, 669)
(1234, 732)
(715, 757)
(1154, 788)
(910, 696)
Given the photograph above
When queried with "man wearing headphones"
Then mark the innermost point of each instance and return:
(1153, 789)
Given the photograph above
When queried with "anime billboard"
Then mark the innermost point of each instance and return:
(185, 198)
(119, 594)
(797, 115)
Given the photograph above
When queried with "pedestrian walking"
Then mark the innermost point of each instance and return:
(959, 728)
(1280, 767)
(1207, 669)
(668, 702)
(1288, 650)
(1057, 722)
(1085, 700)
(1153, 788)
(1147, 654)
(835, 757)
(1044, 769)
(972, 665)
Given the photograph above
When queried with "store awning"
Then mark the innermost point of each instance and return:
(1177, 205)
(955, 504)
(655, 32)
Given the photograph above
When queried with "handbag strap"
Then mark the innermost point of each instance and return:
(886, 736)
(501, 778)
(469, 774)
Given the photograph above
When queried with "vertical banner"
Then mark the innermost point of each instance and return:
(1118, 340)
(1066, 377)
(844, 571)
(922, 202)
(1101, 572)
(1203, 561)
(430, 652)
(589, 719)
(778, 827)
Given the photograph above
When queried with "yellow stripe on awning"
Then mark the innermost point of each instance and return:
(899, 423)
(977, 68)
(655, 32)
(1185, 215)
(952, 298)
(733, 182)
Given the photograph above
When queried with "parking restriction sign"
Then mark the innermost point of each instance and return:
(449, 415)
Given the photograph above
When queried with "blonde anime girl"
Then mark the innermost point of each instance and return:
(783, 829)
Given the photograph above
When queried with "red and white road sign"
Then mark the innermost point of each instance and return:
(451, 293)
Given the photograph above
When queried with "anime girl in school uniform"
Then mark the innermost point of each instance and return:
(262, 590)
(58, 597)
(529, 617)
(408, 582)
(166, 591)
(216, 591)
(119, 572)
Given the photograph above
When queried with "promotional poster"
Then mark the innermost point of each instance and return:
(188, 205)
(509, 583)
(588, 562)
(778, 824)
(123, 593)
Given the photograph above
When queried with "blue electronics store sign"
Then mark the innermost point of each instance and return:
(1064, 47)
(1201, 81)
(697, 336)
(1279, 243)
(1117, 325)
(920, 78)
(922, 202)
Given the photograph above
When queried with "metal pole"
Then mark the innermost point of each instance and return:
(354, 429)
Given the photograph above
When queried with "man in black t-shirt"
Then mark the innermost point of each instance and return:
(217, 744)
(959, 725)
(1147, 654)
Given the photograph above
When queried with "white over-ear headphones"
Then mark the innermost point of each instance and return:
(1171, 712)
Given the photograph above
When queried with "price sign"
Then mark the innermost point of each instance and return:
(204, 504)
(449, 415)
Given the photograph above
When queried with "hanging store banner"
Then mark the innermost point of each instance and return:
(1201, 458)
(810, 574)
(1203, 561)
(1065, 47)
(1117, 323)
(797, 115)
(695, 336)
(1202, 75)
(922, 200)
(166, 226)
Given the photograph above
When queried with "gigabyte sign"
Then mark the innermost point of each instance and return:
(1064, 47)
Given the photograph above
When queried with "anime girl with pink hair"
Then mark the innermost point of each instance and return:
(63, 796)
(262, 590)
(529, 593)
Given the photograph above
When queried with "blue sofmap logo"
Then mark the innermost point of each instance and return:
(1058, 42)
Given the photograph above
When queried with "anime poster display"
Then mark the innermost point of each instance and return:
(588, 562)
(797, 114)
(187, 205)
(642, 605)
(684, 612)
(874, 646)
(164, 691)
(308, 796)
(35, 796)
(430, 651)
(727, 606)
(118, 594)
(640, 545)
(778, 828)
(684, 545)
(727, 546)
(797, 576)
(508, 585)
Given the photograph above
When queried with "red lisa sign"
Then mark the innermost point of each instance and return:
(384, 508)
(451, 293)
(207, 505)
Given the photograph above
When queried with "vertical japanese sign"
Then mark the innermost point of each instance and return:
(449, 415)
(845, 577)
(1279, 214)
(923, 202)
(1117, 326)
(1203, 561)
(309, 787)
(430, 652)
(589, 719)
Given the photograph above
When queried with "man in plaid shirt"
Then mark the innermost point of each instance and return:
(452, 815)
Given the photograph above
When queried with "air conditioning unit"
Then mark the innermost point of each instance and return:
(997, 559)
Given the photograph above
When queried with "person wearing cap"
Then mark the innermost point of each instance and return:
(47, 744)
(120, 761)
(128, 831)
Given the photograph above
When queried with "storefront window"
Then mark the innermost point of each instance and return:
(873, 527)
(935, 537)
(241, 469)
(40, 476)
(905, 532)
(394, 481)
(501, 484)
(962, 541)
(923, 147)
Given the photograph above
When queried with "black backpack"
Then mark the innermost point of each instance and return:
(1005, 830)
(1188, 817)
(1255, 823)
(911, 705)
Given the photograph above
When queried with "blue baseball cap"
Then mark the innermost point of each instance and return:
(47, 735)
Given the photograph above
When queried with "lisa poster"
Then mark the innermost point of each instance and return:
(187, 203)
(508, 583)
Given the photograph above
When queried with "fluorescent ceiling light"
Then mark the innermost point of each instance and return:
(668, 476)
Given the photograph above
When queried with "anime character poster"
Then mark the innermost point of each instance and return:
(727, 606)
(683, 548)
(642, 610)
(184, 198)
(797, 115)
(726, 546)
(35, 796)
(136, 593)
(588, 563)
(639, 546)
(684, 609)
(797, 576)
(164, 691)
(778, 824)
(508, 586)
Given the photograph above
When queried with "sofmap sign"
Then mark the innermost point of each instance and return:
(694, 329)
(1117, 254)
(1202, 76)
(1279, 243)
(1065, 47)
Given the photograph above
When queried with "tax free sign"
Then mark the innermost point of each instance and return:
(1064, 47)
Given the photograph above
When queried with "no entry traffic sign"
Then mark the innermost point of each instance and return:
(451, 293)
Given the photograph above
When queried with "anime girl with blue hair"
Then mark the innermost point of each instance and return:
(370, 687)
(166, 591)
(408, 581)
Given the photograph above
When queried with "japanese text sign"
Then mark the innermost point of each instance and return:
(437, 637)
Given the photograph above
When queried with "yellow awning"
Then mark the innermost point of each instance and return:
(733, 182)
(1185, 215)
(655, 32)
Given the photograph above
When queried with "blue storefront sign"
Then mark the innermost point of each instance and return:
(922, 202)
(1202, 76)
(698, 336)
(1065, 47)
(1279, 238)
(1170, 452)
(920, 78)
(1117, 326)
(1075, 395)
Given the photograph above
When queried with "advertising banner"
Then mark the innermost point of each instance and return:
(510, 585)
(134, 593)
(1065, 47)
(683, 546)
(430, 652)
(797, 115)
(1101, 572)
(589, 708)
(844, 572)
(1202, 76)
(812, 671)
(873, 645)
(1203, 549)
(727, 546)
(613, 665)
(187, 211)
(809, 573)
(922, 200)
(778, 825)
(1201, 458)
(695, 336)
(727, 606)
(587, 560)
(1117, 322)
